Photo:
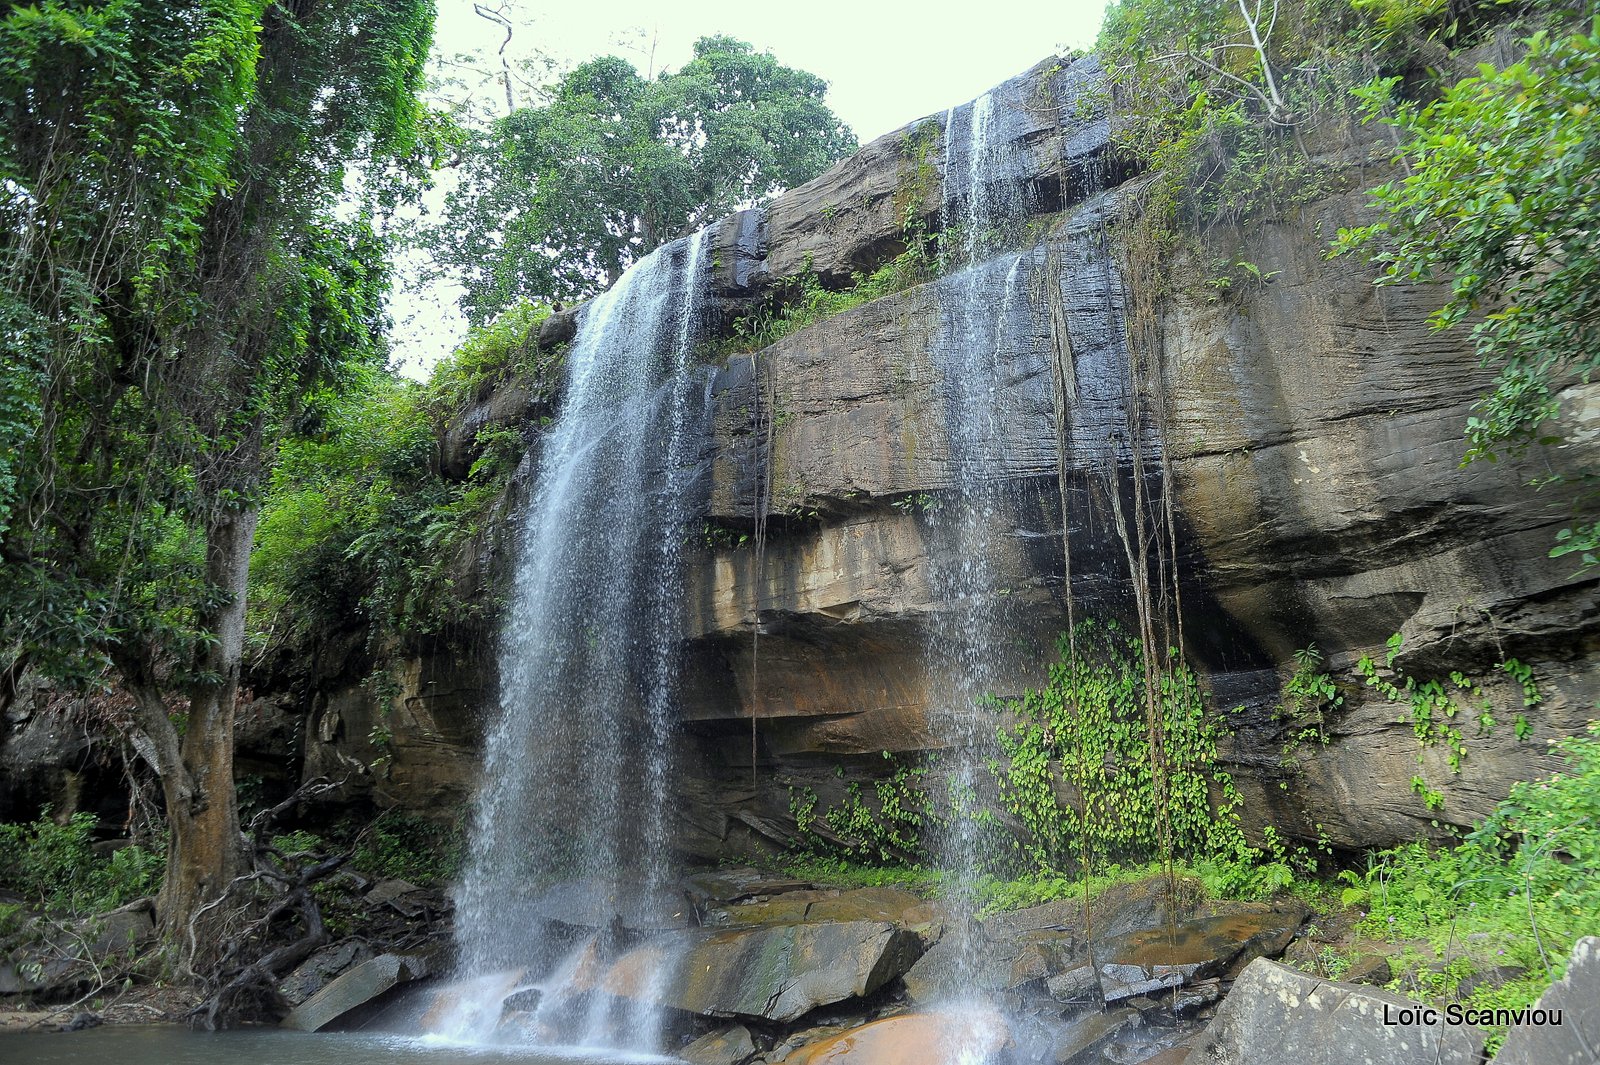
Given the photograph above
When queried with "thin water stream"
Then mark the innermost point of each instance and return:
(973, 353)
(570, 827)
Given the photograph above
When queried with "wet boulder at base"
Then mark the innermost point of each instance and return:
(1277, 1014)
(726, 1046)
(911, 1039)
(355, 988)
(777, 973)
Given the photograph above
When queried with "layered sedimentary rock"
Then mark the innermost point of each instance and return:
(1312, 427)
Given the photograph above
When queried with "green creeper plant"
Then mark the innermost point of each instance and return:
(1078, 760)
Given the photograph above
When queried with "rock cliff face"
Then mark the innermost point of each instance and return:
(1312, 425)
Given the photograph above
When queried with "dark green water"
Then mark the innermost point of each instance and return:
(172, 1045)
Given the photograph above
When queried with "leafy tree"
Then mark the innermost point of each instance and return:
(176, 278)
(556, 200)
(1501, 197)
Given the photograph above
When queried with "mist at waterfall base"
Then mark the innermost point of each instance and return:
(569, 833)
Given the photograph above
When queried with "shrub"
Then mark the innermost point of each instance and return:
(53, 865)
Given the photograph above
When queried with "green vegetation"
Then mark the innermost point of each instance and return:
(1500, 198)
(189, 193)
(395, 844)
(1309, 696)
(405, 846)
(558, 199)
(803, 301)
(1086, 734)
(1225, 105)
(361, 525)
(1519, 890)
(1434, 711)
(886, 829)
(53, 866)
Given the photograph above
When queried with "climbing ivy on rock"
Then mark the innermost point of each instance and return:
(1436, 709)
(1080, 773)
(880, 824)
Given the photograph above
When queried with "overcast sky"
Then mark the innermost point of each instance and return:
(887, 62)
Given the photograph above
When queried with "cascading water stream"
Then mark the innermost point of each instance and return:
(972, 351)
(570, 829)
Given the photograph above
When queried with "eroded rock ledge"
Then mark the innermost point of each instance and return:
(1314, 435)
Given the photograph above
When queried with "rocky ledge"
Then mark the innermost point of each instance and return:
(770, 969)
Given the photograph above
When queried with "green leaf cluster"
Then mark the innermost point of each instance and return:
(1519, 890)
(189, 247)
(360, 526)
(53, 865)
(883, 826)
(1434, 708)
(1082, 774)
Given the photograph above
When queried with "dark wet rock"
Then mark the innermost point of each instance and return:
(559, 328)
(389, 890)
(728, 1046)
(1494, 976)
(1164, 957)
(121, 931)
(775, 973)
(909, 1039)
(737, 885)
(895, 905)
(1576, 1041)
(1275, 1014)
(1073, 984)
(313, 974)
(1169, 1056)
(1369, 969)
(81, 1021)
(52, 960)
(1195, 995)
(1080, 1040)
(355, 988)
(1018, 947)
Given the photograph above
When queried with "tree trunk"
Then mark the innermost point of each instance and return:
(206, 852)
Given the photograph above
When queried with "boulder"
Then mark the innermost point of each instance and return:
(1081, 1038)
(1277, 1014)
(1371, 969)
(1163, 957)
(895, 905)
(736, 885)
(728, 1046)
(355, 988)
(911, 1039)
(313, 974)
(48, 959)
(1017, 947)
(776, 973)
(1576, 996)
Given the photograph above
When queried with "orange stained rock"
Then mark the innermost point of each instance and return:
(912, 1039)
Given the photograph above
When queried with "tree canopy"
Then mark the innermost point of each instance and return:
(554, 201)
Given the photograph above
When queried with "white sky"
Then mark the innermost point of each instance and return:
(887, 62)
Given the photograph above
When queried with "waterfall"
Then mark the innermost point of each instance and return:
(570, 830)
(973, 353)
